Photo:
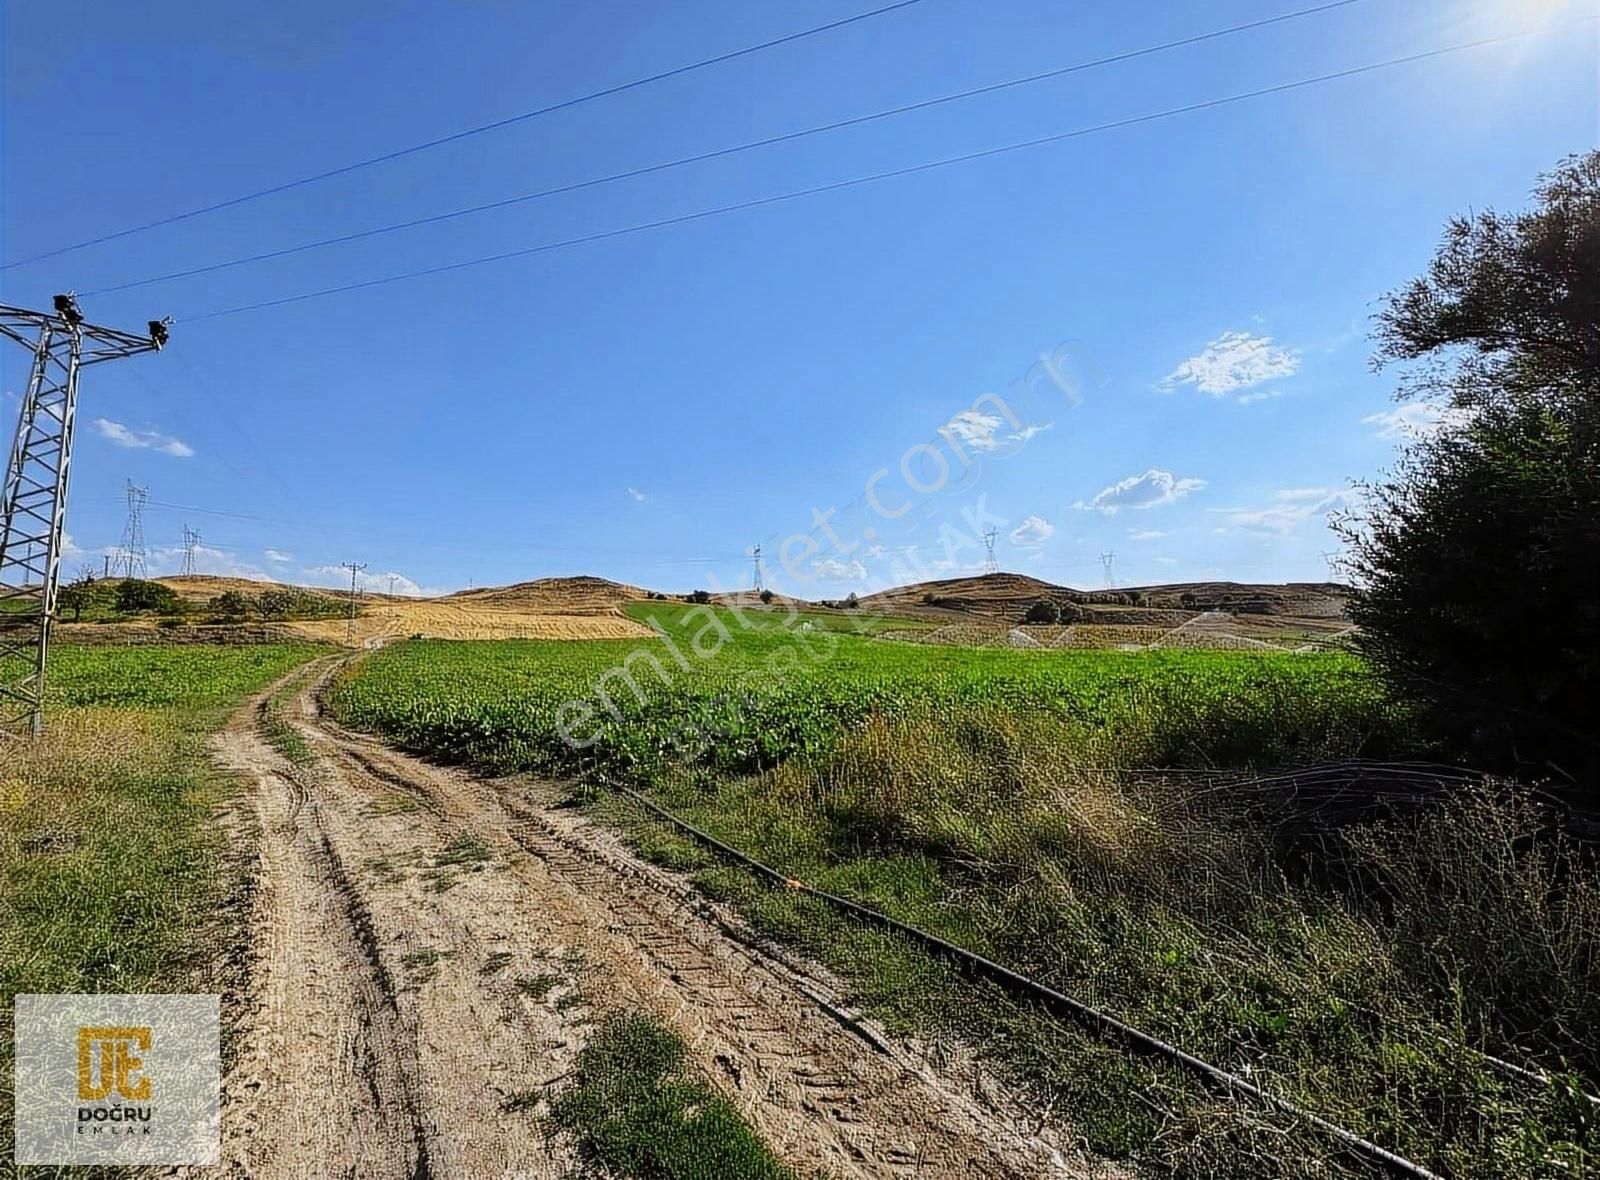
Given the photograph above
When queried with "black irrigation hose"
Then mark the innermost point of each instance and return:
(1097, 1021)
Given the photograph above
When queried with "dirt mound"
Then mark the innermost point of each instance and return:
(582, 595)
(1008, 596)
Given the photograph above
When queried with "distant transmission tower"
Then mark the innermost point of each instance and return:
(755, 583)
(33, 502)
(990, 565)
(133, 562)
(1332, 560)
(350, 623)
(190, 540)
(393, 578)
(1106, 561)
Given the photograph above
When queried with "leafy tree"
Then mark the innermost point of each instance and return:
(1478, 557)
(135, 596)
(275, 604)
(700, 596)
(1043, 611)
(76, 595)
(230, 606)
(767, 597)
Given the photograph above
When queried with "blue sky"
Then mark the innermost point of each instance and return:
(649, 406)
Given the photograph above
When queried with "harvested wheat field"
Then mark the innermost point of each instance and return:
(549, 608)
(448, 618)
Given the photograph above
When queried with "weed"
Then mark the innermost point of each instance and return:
(635, 1111)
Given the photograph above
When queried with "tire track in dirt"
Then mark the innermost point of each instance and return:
(431, 950)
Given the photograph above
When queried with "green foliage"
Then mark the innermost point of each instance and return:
(743, 699)
(229, 606)
(288, 602)
(135, 596)
(636, 1112)
(1479, 582)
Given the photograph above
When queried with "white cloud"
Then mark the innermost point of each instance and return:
(1289, 509)
(1032, 533)
(1165, 560)
(1417, 420)
(1234, 360)
(1142, 491)
(975, 429)
(125, 436)
(638, 496)
(337, 577)
(277, 555)
(1146, 534)
(840, 571)
(166, 560)
(1259, 395)
(980, 432)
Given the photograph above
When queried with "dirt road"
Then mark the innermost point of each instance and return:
(429, 953)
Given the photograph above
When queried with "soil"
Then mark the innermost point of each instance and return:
(429, 951)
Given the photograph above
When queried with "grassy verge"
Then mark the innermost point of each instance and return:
(1195, 921)
(109, 864)
(635, 1111)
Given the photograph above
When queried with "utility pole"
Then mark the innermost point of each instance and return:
(190, 540)
(755, 581)
(33, 502)
(1106, 560)
(133, 533)
(990, 565)
(350, 624)
(393, 578)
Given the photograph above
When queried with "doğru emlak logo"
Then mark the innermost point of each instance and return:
(125, 1079)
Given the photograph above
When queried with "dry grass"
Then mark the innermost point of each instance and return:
(446, 618)
(551, 608)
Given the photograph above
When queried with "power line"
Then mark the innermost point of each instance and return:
(853, 182)
(719, 153)
(457, 136)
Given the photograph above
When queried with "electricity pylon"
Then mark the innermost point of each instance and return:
(33, 502)
(133, 534)
(191, 539)
(1107, 560)
(990, 565)
(755, 580)
(350, 622)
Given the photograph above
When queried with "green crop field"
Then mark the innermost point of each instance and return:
(735, 699)
(1007, 801)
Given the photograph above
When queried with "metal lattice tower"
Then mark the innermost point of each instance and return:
(132, 556)
(191, 539)
(350, 623)
(1106, 561)
(33, 502)
(990, 565)
(756, 583)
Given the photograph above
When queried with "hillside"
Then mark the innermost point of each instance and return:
(579, 595)
(1007, 597)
